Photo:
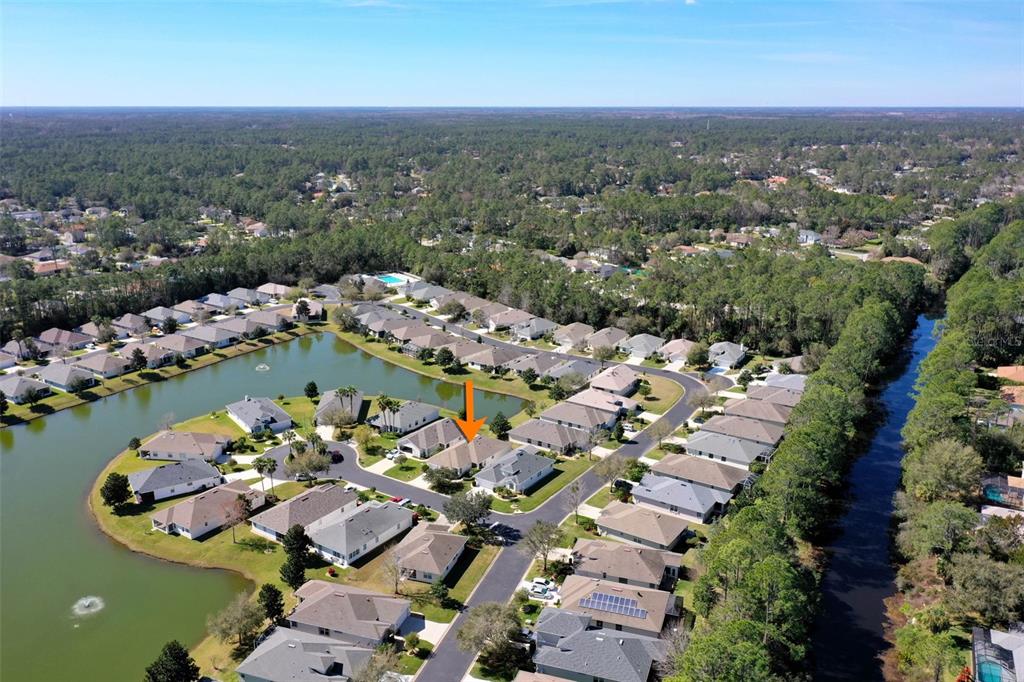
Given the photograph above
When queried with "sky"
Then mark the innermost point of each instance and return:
(436, 53)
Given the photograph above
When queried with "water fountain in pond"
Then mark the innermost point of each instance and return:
(262, 367)
(87, 606)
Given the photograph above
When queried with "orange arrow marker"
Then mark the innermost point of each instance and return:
(469, 426)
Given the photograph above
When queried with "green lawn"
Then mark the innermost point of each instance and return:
(601, 498)
(216, 422)
(572, 531)
(409, 664)
(300, 409)
(664, 394)
(566, 471)
(407, 471)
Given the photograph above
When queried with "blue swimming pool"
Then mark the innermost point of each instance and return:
(991, 672)
(389, 279)
(993, 493)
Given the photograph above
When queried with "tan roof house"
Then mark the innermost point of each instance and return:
(640, 566)
(619, 379)
(745, 429)
(763, 410)
(206, 512)
(463, 456)
(772, 394)
(426, 441)
(429, 552)
(347, 613)
(579, 416)
(621, 607)
(703, 471)
(641, 525)
(180, 445)
(609, 336)
(573, 334)
(603, 400)
(302, 510)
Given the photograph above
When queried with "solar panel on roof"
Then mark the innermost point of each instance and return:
(610, 603)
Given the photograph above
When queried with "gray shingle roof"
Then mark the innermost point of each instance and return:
(602, 654)
(304, 509)
(168, 475)
(686, 497)
(515, 468)
(407, 415)
(298, 656)
(255, 412)
(346, 532)
(718, 445)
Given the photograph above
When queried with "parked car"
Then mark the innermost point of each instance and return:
(350, 488)
(539, 591)
(394, 498)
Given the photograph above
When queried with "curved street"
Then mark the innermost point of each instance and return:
(449, 663)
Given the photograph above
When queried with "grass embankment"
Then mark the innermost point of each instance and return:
(18, 414)
(664, 394)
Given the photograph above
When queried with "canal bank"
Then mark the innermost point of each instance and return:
(848, 638)
(53, 555)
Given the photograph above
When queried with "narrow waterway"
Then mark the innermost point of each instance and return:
(52, 555)
(847, 640)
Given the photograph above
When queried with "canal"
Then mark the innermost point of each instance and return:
(848, 637)
(52, 555)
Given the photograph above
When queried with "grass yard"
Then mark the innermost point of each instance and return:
(573, 532)
(601, 498)
(664, 394)
(567, 470)
(407, 471)
(409, 664)
(301, 410)
(215, 422)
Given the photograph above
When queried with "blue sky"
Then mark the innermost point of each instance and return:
(512, 53)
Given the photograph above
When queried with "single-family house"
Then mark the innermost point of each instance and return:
(427, 338)
(65, 339)
(160, 314)
(182, 445)
(611, 337)
(328, 292)
(240, 327)
(463, 349)
(537, 362)
(692, 501)
(409, 330)
(314, 310)
(617, 379)
(23, 350)
(344, 538)
(486, 312)
(103, 365)
(198, 516)
(998, 655)
(605, 654)
(782, 396)
(222, 302)
(287, 655)
(737, 452)
(171, 480)
(212, 336)
(491, 358)
(550, 436)
(7, 360)
(654, 569)
(251, 297)
(154, 355)
(135, 325)
(533, 328)
(573, 366)
(583, 417)
(518, 470)
(427, 440)
(808, 237)
(409, 416)
(464, 456)
(97, 331)
(706, 472)
(429, 552)
(272, 319)
(185, 346)
(199, 312)
(605, 401)
(19, 389)
(623, 608)
(765, 411)
(304, 510)
(642, 346)
(66, 377)
(744, 428)
(677, 350)
(554, 625)
(274, 290)
(508, 318)
(573, 335)
(641, 525)
(259, 415)
(337, 407)
(347, 613)
(726, 354)
(793, 382)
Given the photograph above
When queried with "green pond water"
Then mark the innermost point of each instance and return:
(52, 555)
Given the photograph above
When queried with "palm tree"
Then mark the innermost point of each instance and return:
(349, 392)
(290, 438)
(387, 406)
(316, 443)
(265, 466)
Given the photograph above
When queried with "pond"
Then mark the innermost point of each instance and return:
(74, 604)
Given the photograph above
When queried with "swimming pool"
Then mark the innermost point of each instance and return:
(390, 279)
(993, 493)
(991, 672)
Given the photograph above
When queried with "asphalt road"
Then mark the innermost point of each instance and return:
(449, 663)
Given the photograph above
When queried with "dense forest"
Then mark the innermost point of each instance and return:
(955, 574)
